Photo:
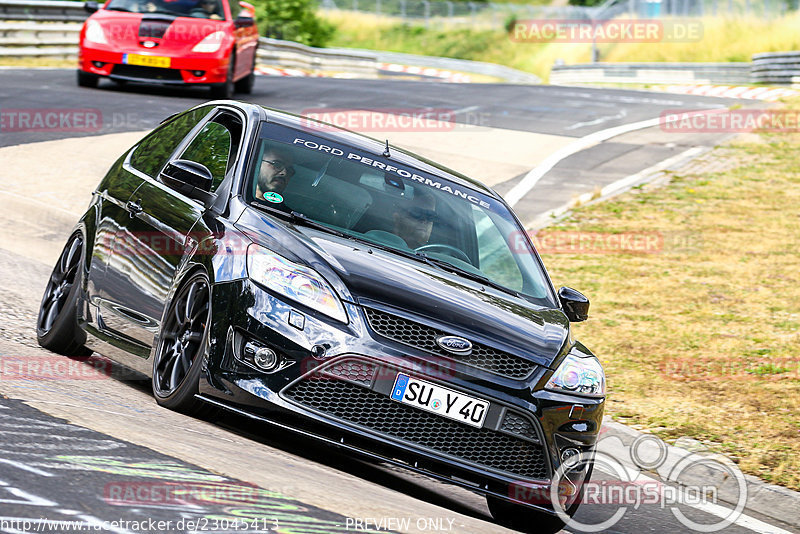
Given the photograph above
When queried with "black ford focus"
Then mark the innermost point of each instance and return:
(313, 278)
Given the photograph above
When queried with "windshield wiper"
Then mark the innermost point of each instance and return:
(447, 266)
(114, 8)
(300, 219)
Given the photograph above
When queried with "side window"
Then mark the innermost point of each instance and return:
(151, 155)
(235, 8)
(216, 146)
(495, 256)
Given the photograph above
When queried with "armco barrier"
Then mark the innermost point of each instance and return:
(42, 10)
(652, 73)
(777, 68)
(321, 60)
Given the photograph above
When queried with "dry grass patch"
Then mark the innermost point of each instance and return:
(701, 338)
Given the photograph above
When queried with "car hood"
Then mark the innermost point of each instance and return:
(129, 30)
(372, 277)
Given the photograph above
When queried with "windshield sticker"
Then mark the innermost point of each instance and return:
(269, 196)
(391, 169)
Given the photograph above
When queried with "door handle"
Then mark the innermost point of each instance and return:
(135, 208)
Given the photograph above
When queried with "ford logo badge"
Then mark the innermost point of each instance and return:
(454, 344)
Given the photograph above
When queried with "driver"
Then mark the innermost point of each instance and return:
(207, 9)
(414, 223)
(275, 171)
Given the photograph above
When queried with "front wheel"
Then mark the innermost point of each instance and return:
(245, 85)
(87, 79)
(182, 342)
(225, 90)
(526, 519)
(57, 326)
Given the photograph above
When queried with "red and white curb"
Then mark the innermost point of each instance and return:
(769, 94)
(277, 71)
(446, 75)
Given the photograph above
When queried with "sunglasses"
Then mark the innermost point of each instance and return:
(280, 166)
(421, 214)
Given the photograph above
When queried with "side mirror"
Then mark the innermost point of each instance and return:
(190, 178)
(243, 21)
(91, 7)
(575, 304)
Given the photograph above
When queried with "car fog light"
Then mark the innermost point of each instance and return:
(266, 359)
(198, 73)
(570, 457)
(98, 64)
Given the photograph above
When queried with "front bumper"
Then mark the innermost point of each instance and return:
(182, 70)
(335, 382)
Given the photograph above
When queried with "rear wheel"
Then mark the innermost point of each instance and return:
(57, 325)
(182, 342)
(87, 79)
(224, 91)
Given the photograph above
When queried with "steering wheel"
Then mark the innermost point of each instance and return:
(447, 249)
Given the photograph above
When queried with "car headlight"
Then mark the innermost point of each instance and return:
(579, 376)
(296, 282)
(210, 43)
(94, 32)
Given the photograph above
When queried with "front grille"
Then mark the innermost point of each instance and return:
(147, 73)
(424, 337)
(518, 425)
(352, 371)
(366, 408)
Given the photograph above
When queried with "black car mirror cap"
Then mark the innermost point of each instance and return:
(243, 21)
(91, 7)
(575, 304)
(190, 178)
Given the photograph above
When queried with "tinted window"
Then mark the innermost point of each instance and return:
(216, 146)
(204, 9)
(151, 155)
(388, 202)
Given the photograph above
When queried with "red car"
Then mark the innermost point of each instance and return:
(202, 42)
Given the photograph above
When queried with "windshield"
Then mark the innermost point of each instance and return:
(382, 201)
(204, 9)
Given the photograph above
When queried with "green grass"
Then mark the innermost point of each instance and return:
(701, 341)
(723, 40)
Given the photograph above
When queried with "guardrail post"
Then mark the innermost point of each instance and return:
(403, 9)
(449, 9)
(472, 10)
(427, 6)
(378, 7)
(355, 5)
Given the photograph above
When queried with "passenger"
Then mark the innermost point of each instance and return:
(415, 223)
(207, 9)
(275, 172)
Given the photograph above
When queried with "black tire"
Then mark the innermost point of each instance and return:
(57, 324)
(224, 91)
(178, 359)
(245, 85)
(87, 79)
(526, 519)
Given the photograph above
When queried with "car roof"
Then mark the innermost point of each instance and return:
(367, 143)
